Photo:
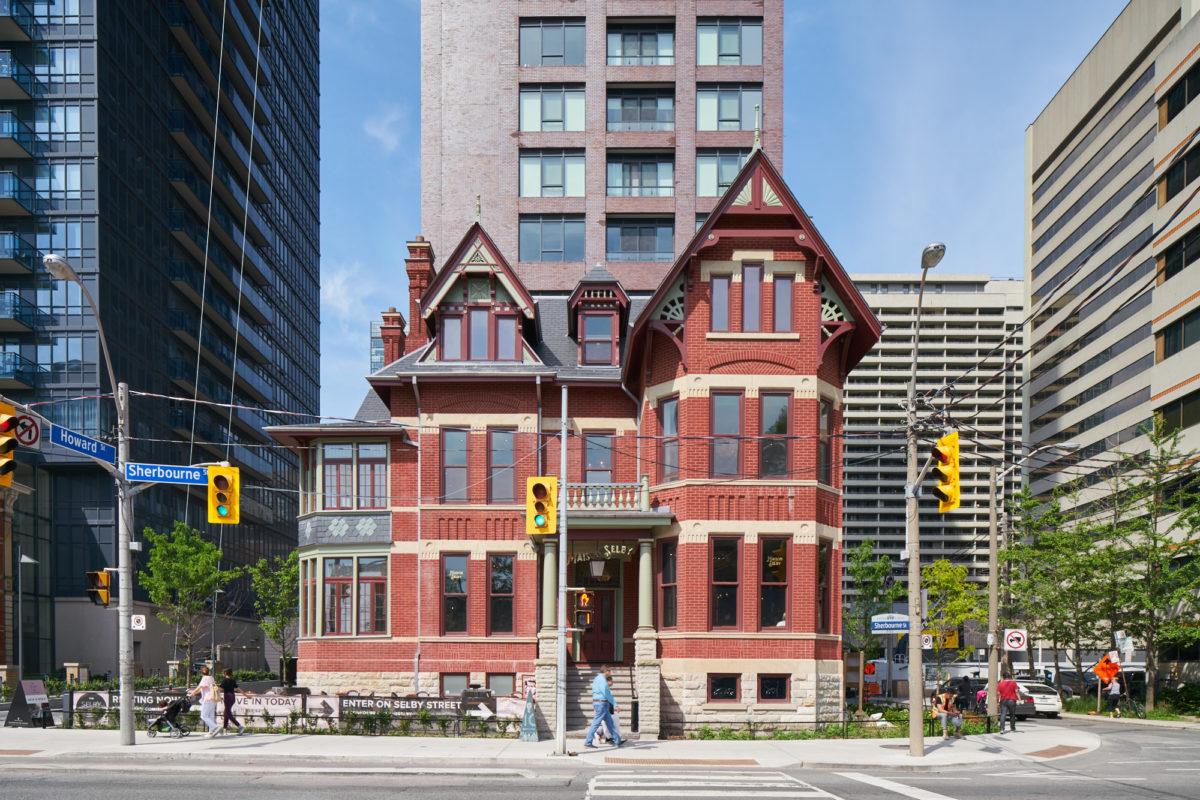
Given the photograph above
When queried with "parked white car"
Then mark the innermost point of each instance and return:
(1045, 700)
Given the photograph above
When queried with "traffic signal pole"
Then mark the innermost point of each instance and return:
(560, 692)
(124, 565)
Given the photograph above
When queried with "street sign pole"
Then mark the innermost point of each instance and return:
(124, 566)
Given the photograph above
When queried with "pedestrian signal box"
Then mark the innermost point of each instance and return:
(541, 505)
(945, 471)
(224, 483)
(100, 587)
(584, 606)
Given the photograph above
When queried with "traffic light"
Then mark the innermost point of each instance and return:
(945, 453)
(541, 505)
(99, 586)
(223, 484)
(583, 609)
(8, 443)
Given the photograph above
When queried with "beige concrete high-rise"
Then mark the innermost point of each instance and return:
(596, 131)
(970, 329)
(1112, 238)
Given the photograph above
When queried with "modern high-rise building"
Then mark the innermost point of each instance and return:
(1111, 241)
(970, 330)
(598, 131)
(169, 151)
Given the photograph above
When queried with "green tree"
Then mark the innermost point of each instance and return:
(952, 601)
(276, 586)
(1154, 535)
(871, 576)
(182, 575)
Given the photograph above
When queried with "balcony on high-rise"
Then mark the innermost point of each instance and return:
(18, 372)
(17, 198)
(16, 21)
(17, 256)
(18, 315)
(16, 81)
(16, 139)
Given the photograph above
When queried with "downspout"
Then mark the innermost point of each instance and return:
(420, 446)
(638, 442)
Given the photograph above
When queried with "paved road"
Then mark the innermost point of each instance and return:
(1131, 764)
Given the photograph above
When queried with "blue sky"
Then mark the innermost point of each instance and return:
(904, 123)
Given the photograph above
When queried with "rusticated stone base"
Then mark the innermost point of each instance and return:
(815, 697)
(647, 676)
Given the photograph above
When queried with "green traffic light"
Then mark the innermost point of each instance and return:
(223, 511)
(539, 520)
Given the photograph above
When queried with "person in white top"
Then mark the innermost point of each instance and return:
(209, 695)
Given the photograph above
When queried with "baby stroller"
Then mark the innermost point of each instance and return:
(168, 721)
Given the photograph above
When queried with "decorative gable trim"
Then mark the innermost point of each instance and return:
(476, 254)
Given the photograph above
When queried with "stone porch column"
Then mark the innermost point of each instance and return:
(546, 666)
(647, 666)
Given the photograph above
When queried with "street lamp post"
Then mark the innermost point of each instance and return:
(993, 624)
(930, 257)
(60, 268)
(22, 559)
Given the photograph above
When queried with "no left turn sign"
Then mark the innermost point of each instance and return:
(1014, 639)
(29, 433)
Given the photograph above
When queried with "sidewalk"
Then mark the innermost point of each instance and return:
(51, 748)
(1127, 720)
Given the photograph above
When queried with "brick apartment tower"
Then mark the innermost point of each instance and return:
(655, 99)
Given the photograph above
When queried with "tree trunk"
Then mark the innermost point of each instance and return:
(1151, 668)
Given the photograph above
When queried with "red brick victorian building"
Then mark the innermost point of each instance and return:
(703, 479)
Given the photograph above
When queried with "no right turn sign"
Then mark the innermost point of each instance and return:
(1014, 639)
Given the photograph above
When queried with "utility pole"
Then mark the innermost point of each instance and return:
(560, 694)
(993, 635)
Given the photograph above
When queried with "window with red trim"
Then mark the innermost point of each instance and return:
(719, 313)
(500, 594)
(727, 434)
(823, 587)
(726, 580)
(598, 337)
(825, 445)
(478, 322)
(752, 297)
(774, 688)
(667, 584)
(454, 466)
(339, 475)
(372, 595)
(783, 303)
(774, 448)
(338, 574)
(773, 585)
(668, 420)
(454, 594)
(724, 688)
(372, 475)
(501, 465)
(451, 340)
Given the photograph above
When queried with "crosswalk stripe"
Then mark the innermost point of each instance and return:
(703, 784)
(892, 786)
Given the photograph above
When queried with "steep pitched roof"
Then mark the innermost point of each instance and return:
(759, 204)
(476, 253)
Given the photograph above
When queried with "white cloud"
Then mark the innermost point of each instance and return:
(385, 126)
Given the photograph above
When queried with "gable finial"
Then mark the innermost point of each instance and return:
(757, 132)
(478, 209)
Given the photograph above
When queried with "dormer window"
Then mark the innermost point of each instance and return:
(598, 341)
(596, 307)
(479, 322)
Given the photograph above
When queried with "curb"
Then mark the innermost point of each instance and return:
(1178, 724)
(1007, 763)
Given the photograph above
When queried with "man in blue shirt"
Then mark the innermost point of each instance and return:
(602, 702)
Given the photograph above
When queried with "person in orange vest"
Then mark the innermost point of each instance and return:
(947, 712)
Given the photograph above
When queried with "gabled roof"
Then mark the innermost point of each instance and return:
(476, 253)
(759, 204)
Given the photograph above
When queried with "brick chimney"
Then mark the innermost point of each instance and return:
(392, 332)
(419, 265)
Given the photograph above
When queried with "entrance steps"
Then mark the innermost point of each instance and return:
(579, 697)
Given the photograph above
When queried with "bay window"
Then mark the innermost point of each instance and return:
(668, 417)
(668, 587)
(500, 594)
(772, 601)
(727, 434)
(372, 595)
(725, 579)
(354, 475)
(774, 446)
(454, 594)
(338, 574)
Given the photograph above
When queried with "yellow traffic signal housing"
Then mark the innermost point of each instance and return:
(8, 443)
(541, 505)
(584, 601)
(224, 484)
(945, 471)
(99, 587)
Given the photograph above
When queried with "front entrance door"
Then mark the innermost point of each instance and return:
(597, 645)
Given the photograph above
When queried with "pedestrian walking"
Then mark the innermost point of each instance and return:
(210, 695)
(229, 687)
(606, 733)
(1009, 692)
(604, 705)
(1114, 697)
(945, 705)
